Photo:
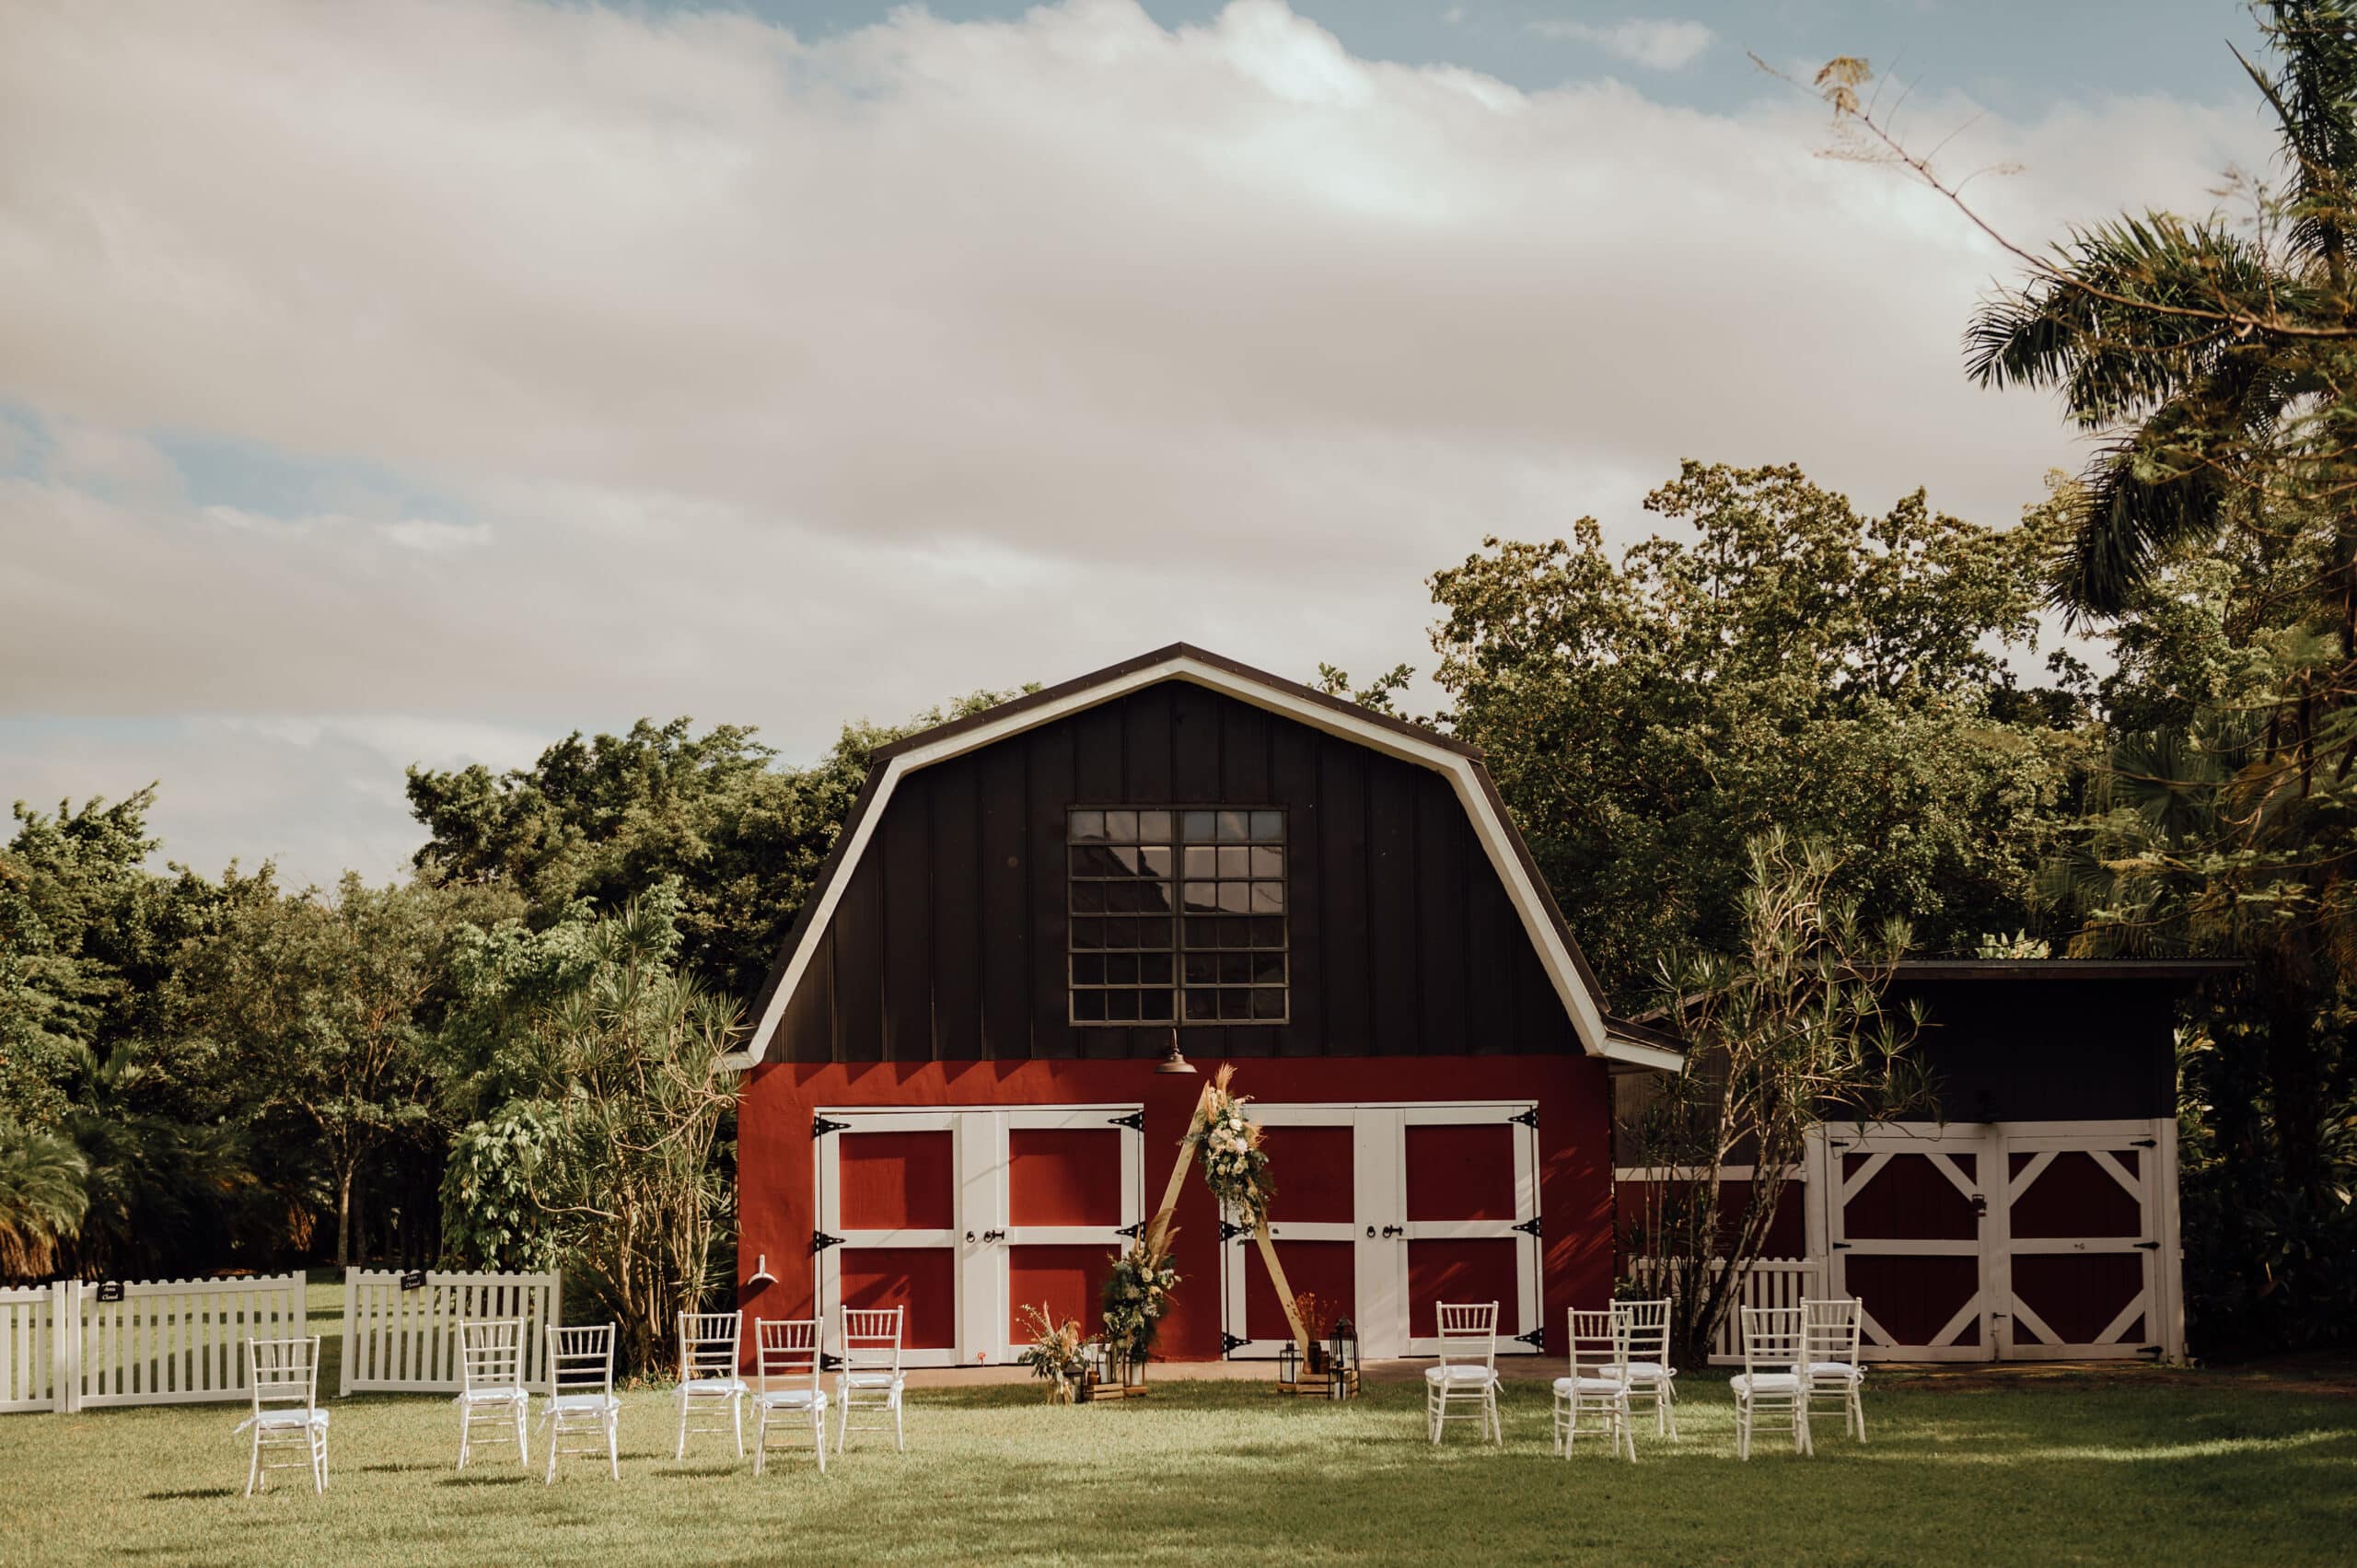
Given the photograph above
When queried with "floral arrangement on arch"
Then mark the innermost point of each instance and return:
(1234, 1166)
(1055, 1353)
(1137, 1292)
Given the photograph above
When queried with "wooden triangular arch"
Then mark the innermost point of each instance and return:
(1157, 1232)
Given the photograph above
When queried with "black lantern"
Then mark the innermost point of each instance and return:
(1342, 1361)
(1289, 1363)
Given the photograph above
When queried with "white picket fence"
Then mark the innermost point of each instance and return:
(160, 1342)
(1770, 1282)
(399, 1341)
(31, 1351)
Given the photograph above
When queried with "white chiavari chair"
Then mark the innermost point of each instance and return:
(786, 1367)
(1464, 1385)
(1598, 1385)
(284, 1377)
(871, 1378)
(1771, 1381)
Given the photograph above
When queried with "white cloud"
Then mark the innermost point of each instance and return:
(1658, 45)
(785, 382)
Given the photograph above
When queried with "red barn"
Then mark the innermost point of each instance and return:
(951, 1099)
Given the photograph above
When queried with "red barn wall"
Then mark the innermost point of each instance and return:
(776, 1160)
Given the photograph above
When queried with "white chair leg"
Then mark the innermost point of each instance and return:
(900, 1433)
(524, 1432)
(613, 1449)
(736, 1419)
(681, 1451)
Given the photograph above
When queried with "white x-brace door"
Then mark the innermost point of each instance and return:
(2111, 1177)
(1948, 1265)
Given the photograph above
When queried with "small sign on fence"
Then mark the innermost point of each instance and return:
(413, 1280)
(110, 1290)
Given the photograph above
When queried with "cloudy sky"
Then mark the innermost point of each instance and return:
(420, 382)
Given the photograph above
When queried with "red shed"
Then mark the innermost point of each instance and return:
(950, 1098)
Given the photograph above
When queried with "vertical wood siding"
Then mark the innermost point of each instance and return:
(949, 942)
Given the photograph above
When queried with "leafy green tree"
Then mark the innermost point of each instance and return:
(321, 1010)
(1796, 665)
(612, 1154)
(1787, 1029)
(608, 818)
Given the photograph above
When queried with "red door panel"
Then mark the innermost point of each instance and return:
(897, 1181)
(922, 1279)
(1472, 1270)
(1915, 1298)
(1463, 1171)
(1064, 1280)
(1314, 1174)
(2077, 1296)
(2074, 1196)
(1909, 1199)
(1326, 1270)
(1064, 1175)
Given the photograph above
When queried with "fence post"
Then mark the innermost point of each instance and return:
(345, 1349)
(66, 1353)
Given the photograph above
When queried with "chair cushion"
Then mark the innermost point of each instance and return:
(1590, 1386)
(1473, 1374)
(713, 1388)
(290, 1418)
(870, 1379)
(574, 1403)
(506, 1396)
(1848, 1372)
(781, 1398)
(1650, 1372)
(1765, 1382)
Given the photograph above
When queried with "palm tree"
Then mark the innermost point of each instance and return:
(42, 1200)
(2216, 369)
(2205, 360)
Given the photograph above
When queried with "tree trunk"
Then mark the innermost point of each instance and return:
(344, 1217)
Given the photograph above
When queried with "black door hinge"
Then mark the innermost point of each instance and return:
(830, 1362)
(1228, 1342)
(820, 1241)
(1841, 1246)
(1229, 1230)
(2144, 1142)
(1527, 1118)
(1529, 1226)
(821, 1127)
(1133, 1231)
(1535, 1339)
(1134, 1120)
(1836, 1142)
(2148, 1247)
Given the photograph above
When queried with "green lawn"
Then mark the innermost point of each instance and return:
(2137, 1465)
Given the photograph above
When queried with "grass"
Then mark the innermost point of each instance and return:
(2132, 1466)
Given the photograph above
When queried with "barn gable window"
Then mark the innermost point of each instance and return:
(1178, 914)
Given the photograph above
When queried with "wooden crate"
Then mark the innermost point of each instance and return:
(1317, 1387)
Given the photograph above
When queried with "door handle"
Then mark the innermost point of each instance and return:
(1370, 1233)
(970, 1235)
(993, 1236)
(1395, 1230)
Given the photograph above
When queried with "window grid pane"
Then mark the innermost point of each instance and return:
(1176, 916)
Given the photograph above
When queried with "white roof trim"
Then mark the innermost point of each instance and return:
(1555, 955)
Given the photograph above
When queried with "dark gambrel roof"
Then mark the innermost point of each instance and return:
(1601, 1033)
